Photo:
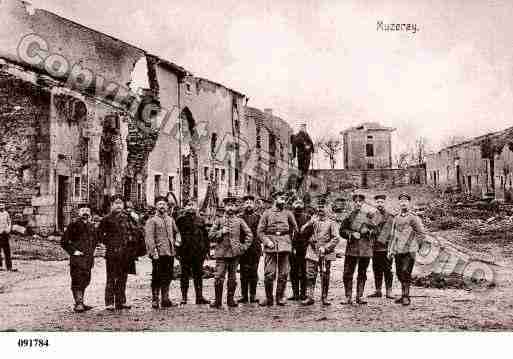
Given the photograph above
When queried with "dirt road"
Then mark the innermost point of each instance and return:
(38, 298)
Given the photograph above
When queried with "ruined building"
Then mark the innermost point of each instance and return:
(367, 146)
(74, 129)
(480, 167)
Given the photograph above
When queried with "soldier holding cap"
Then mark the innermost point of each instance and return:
(323, 238)
(381, 264)
(79, 241)
(276, 229)
(115, 231)
(357, 229)
(297, 257)
(408, 234)
(162, 238)
(250, 259)
(233, 238)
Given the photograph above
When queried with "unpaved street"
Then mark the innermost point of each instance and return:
(38, 298)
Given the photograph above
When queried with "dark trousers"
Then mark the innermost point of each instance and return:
(249, 274)
(350, 264)
(312, 267)
(382, 267)
(191, 266)
(6, 247)
(162, 272)
(117, 274)
(227, 265)
(298, 270)
(80, 277)
(404, 263)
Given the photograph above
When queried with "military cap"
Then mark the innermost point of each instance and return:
(248, 197)
(230, 200)
(404, 195)
(358, 196)
(298, 203)
(380, 196)
(321, 202)
(277, 193)
(116, 197)
(160, 199)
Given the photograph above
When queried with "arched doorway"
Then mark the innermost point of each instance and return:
(190, 152)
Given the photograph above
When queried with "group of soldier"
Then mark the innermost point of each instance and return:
(295, 243)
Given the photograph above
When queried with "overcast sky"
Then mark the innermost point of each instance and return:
(325, 63)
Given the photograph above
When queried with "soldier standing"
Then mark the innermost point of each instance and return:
(162, 237)
(251, 258)
(5, 230)
(381, 264)
(276, 228)
(192, 252)
(303, 147)
(324, 237)
(79, 241)
(356, 228)
(233, 238)
(115, 231)
(408, 234)
(297, 256)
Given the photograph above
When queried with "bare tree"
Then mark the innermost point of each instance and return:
(420, 150)
(330, 146)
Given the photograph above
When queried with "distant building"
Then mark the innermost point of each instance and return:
(368, 146)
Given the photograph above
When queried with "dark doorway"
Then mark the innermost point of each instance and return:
(458, 177)
(127, 190)
(469, 183)
(62, 201)
(364, 180)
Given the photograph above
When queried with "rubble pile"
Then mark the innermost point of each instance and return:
(451, 281)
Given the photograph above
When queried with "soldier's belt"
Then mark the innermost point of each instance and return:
(277, 233)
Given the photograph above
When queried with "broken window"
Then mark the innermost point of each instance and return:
(171, 184)
(157, 185)
(223, 174)
(77, 187)
(213, 143)
(370, 166)
(369, 148)
(205, 173)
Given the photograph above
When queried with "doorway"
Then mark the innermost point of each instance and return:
(62, 201)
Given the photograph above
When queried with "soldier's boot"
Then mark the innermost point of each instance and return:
(268, 301)
(198, 288)
(232, 286)
(389, 293)
(252, 291)
(79, 301)
(360, 286)
(280, 292)
(406, 297)
(218, 289)
(166, 302)
(244, 291)
(302, 291)
(184, 287)
(325, 288)
(155, 300)
(295, 290)
(309, 293)
(348, 289)
(400, 300)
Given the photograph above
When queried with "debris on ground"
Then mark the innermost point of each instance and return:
(450, 281)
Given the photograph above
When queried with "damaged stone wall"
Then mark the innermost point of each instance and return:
(24, 143)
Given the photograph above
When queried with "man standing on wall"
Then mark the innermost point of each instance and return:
(408, 234)
(251, 258)
(5, 230)
(276, 229)
(79, 241)
(381, 264)
(233, 237)
(115, 231)
(192, 252)
(303, 147)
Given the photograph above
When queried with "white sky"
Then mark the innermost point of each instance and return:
(324, 63)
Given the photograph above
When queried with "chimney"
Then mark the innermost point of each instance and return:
(268, 111)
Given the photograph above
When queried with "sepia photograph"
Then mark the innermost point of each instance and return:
(259, 166)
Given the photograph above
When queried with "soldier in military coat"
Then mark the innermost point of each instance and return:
(323, 238)
(357, 230)
(381, 264)
(79, 241)
(276, 229)
(297, 257)
(233, 237)
(251, 258)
